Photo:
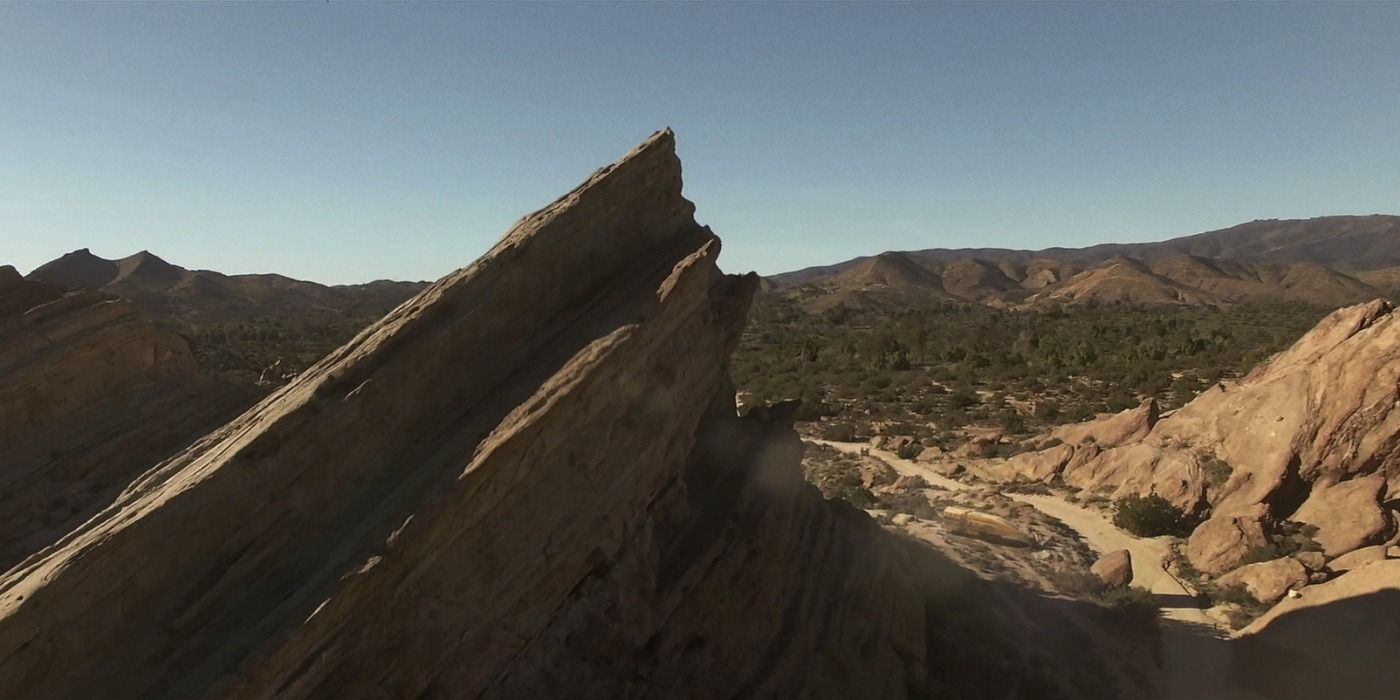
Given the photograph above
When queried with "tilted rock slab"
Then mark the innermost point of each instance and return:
(91, 395)
(528, 481)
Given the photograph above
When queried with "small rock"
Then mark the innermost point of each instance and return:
(1115, 569)
(1393, 552)
(903, 519)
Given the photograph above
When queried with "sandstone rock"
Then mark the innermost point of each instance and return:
(1221, 543)
(1348, 515)
(528, 481)
(1141, 469)
(947, 468)
(978, 446)
(910, 482)
(902, 519)
(1357, 558)
(91, 394)
(1393, 552)
(1115, 569)
(1268, 581)
(1032, 466)
(875, 473)
(1333, 642)
(1128, 426)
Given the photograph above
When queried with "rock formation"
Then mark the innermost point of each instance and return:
(1337, 640)
(1115, 568)
(91, 394)
(527, 481)
(1311, 436)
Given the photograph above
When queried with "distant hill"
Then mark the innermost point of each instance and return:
(1333, 261)
(236, 323)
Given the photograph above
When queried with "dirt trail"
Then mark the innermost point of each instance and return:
(1195, 658)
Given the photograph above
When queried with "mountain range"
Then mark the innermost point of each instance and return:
(208, 296)
(1329, 261)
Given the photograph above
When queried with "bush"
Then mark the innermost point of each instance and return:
(1077, 583)
(909, 451)
(839, 432)
(1217, 471)
(1150, 516)
(1134, 602)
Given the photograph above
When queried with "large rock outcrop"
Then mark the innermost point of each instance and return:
(91, 394)
(528, 481)
(1337, 640)
(1312, 435)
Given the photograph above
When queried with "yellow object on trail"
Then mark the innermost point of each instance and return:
(984, 525)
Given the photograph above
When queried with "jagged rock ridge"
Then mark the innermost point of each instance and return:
(528, 481)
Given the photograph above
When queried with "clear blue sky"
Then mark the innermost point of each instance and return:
(347, 142)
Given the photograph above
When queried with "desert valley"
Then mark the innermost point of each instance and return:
(590, 464)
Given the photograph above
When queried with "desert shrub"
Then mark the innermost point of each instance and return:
(1013, 423)
(839, 431)
(1033, 487)
(1134, 602)
(910, 502)
(1077, 582)
(1217, 471)
(1293, 537)
(1150, 516)
(910, 451)
(1234, 595)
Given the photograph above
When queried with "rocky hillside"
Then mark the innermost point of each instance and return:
(1329, 261)
(555, 500)
(237, 324)
(1307, 442)
(91, 394)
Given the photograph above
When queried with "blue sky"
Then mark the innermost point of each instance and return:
(347, 142)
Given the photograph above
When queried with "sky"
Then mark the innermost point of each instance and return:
(347, 142)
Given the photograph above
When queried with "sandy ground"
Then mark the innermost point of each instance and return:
(1193, 667)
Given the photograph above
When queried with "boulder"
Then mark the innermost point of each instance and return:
(875, 473)
(1222, 542)
(947, 468)
(910, 482)
(1122, 428)
(1115, 568)
(1268, 581)
(1357, 558)
(1337, 640)
(1348, 514)
(1032, 466)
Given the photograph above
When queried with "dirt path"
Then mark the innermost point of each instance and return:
(1195, 659)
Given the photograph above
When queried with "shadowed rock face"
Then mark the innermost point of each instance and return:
(528, 481)
(91, 394)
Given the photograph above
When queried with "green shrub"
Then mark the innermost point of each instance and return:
(1077, 583)
(839, 432)
(1217, 471)
(1150, 516)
